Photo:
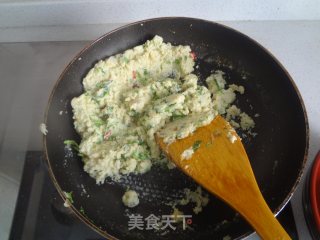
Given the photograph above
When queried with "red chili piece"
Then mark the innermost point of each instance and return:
(193, 55)
(107, 135)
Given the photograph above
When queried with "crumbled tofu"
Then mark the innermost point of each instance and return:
(130, 198)
(43, 129)
(187, 154)
(223, 99)
(196, 197)
(237, 88)
(232, 112)
(234, 124)
(216, 82)
(67, 203)
(171, 165)
(246, 122)
(231, 136)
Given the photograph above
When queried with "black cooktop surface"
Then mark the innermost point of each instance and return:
(40, 213)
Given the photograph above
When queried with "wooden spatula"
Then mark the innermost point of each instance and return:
(220, 164)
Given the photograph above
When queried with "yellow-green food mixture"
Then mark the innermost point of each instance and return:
(147, 90)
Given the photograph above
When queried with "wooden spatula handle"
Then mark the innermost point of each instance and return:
(267, 226)
(250, 205)
(261, 218)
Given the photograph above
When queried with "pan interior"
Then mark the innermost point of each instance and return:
(276, 153)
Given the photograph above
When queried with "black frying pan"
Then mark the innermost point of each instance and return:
(277, 153)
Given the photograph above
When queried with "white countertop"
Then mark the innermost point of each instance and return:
(295, 43)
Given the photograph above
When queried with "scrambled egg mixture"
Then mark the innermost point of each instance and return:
(147, 90)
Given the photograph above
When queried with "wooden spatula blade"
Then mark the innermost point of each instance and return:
(220, 164)
(211, 146)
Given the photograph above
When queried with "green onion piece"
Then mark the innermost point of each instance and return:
(82, 211)
(196, 145)
(69, 197)
(72, 144)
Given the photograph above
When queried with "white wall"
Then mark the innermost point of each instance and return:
(72, 20)
(73, 12)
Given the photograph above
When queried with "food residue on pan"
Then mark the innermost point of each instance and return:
(176, 214)
(43, 129)
(147, 90)
(227, 237)
(130, 198)
(69, 199)
(197, 197)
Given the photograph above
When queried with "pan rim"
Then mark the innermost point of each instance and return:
(268, 52)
